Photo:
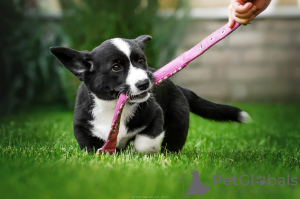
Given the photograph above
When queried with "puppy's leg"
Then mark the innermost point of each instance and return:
(148, 144)
(86, 141)
(149, 140)
(176, 123)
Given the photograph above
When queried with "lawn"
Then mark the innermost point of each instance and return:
(40, 158)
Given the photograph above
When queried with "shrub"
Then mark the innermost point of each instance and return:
(31, 75)
(27, 74)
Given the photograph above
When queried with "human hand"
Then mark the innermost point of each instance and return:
(244, 11)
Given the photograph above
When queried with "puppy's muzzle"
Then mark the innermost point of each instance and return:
(143, 85)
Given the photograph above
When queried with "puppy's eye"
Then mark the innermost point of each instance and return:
(141, 61)
(116, 67)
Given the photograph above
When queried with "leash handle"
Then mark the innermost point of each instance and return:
(164, 73)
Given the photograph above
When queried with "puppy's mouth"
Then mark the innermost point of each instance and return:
(139, 98)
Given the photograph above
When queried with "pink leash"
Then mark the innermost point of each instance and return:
(164, 73)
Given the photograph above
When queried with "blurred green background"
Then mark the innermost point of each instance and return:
(259, 63)
(31, 76)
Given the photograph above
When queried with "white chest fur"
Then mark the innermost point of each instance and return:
(103, 112)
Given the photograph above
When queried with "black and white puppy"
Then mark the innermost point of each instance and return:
(153, 118)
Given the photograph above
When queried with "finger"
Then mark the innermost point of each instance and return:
(230, 17)
(241, 7)
(247, 14)
(230, 22)
(244, 21)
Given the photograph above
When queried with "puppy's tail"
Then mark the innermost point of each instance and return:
(213, 111)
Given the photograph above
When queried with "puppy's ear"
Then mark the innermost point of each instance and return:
(141, 40)
(76, 62)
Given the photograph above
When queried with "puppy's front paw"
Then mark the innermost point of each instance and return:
(148, 145)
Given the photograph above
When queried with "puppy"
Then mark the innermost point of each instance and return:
(154, 118)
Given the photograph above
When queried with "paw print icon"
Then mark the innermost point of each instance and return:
(260, 180)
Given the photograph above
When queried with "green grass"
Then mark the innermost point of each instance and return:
(40, 158)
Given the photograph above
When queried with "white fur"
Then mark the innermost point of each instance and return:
(146, 144)
(134, 74)
(92, 66)
(124, 139)
(122, 46)
(141, 100)
(103, 112)
(79, 70)
(244, 117)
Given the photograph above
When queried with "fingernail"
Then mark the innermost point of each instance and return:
(254, 8)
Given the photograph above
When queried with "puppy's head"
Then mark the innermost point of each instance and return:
(117, 65)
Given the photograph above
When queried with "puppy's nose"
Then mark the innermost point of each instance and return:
(142, 84)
